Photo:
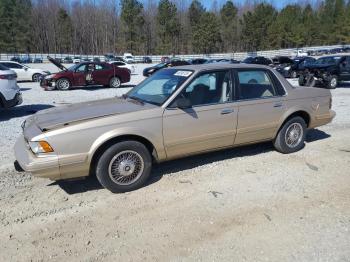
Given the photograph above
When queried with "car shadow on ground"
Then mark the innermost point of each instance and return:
(21, 111)
(183, 164)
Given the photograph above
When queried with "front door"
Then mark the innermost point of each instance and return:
(79, 75)
(211, 121)
(100, 74)
(260, 104)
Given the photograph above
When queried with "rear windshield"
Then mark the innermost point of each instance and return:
(2, 67)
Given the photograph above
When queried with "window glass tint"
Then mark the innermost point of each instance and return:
(255, 84)
(81, 68)
(3, 67)
(211, 88)
(14, 65)
(160, 86)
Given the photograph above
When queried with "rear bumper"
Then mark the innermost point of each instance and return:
(45, 166)
(325, 119)
(17, 100)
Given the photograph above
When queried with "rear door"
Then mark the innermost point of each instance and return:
(345, 69)
(101, 74)
(19, 69)
(260, 100)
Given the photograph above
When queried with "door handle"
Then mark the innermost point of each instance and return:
(227, 111)
(279, 104)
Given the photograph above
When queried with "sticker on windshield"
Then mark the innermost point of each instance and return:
(183, 73)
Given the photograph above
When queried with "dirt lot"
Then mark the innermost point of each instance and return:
(244, 204)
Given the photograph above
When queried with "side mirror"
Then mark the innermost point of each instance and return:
(26, 69)
(183, 103)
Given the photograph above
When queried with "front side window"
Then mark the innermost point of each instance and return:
(209, 88)
(81, 68)
(255, 84)
(160, 86)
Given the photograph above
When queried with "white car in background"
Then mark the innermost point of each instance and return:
(24, 73)
(76, 59)
(122, 64)
(128, 57)
(299, 53)
(10, 94)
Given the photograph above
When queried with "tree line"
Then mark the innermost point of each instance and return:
(168, 26)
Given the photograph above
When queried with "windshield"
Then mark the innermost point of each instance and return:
(330, 60)
(73, 67)
(161, 65)
(160, 86)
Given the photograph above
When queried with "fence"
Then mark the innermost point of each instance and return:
(157, 58)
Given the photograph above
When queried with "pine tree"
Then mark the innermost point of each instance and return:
(168, 27)
(206, 35)
(229, 22)
(65, 30)
(133, 22)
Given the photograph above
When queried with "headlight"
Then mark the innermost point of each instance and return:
(287, 68)
(151, 70)
(48, 77)
(40, 147)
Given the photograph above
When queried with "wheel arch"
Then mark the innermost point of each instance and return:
(113, 140)
(301, 113)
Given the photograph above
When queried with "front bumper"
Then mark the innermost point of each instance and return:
(47, 84)
(41, 166)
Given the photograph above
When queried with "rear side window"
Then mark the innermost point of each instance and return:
(13, 65)
(2, 67)
(255, 84)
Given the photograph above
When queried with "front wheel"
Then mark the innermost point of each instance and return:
(63, 84)
(36, 77)
(115, 82)
(291, 137)
(333, 82)
(124, 166)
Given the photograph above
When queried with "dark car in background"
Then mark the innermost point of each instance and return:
(198, 61)
(68, 60)
(37, 60)
(151, 70)
(85, 74)
(291, 68)
(326, 71)
(257, 60)
(147, 60)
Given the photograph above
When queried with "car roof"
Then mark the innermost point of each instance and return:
(218, 66)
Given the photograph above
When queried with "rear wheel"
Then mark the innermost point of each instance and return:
(124, 166)
(63, 84)
(115, 82)
(36, 77)
(291, 136)
(333, 82)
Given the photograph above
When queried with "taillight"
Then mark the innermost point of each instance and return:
(8, 77)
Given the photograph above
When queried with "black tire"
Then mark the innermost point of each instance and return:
(36, 77)
(301, 80)
(115, 82)
(333, 82)
(280, 142)
(310, 81)
(107, 167)
(63, 84)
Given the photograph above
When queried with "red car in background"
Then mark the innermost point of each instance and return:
(85, 74)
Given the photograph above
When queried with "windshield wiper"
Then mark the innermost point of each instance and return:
(136, 99)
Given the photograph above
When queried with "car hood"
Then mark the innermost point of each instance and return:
(64, 115)
(56, 63)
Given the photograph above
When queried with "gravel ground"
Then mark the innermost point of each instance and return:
(244, 204)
